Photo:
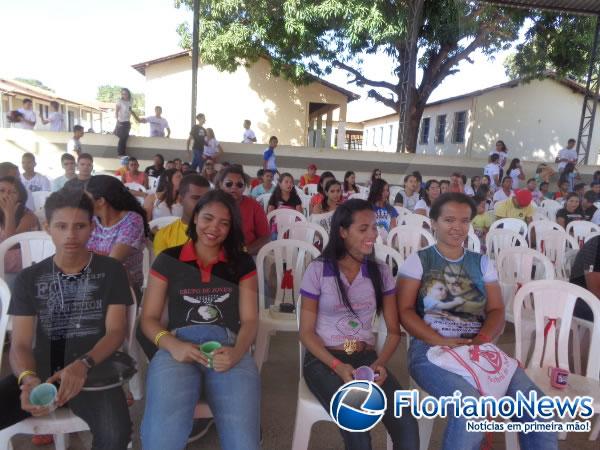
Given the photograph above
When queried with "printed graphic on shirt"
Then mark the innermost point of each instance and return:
(205, 304)
(72, 309)
(452, 304)
(348, 326)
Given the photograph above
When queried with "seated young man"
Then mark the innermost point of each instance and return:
(79, 301)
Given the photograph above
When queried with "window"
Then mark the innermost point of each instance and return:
(424, 139)
(460, 119)
(391, 134)
(366, 139)
(440, 129)
(380, 135)
(374, 130)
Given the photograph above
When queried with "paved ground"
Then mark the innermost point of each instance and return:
(279, 384)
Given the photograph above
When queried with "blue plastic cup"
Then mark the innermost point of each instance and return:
(43, 395)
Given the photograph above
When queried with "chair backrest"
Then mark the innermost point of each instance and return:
(35, 246)
(554, 244)
(553, 303)
(539, 214)
(294, 255)
(550, 207)
(361, 195)
(516, 225)
(4, 301)
(390, 257)
(285, 217)
(324, 220)
(162, 222)
(499, 239)
(135, 187)
(394, 191)
(407, 239)
(415, 220)
(537, 226)
(522, 265)
(305, 231)
(402, 211)
(473, 243)
(311, 189)
(263, 200)
(39, 199)
(591, 236)
(580, 229)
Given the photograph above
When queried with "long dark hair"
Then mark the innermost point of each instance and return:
(335, 250)
(277, 195)
(324, 202)
(347, 186)
(513, 165)
(425, 195)
(376, 191)
(22, 194)
(116, 195)
(324, 175)
(165, 187)
(234, 242)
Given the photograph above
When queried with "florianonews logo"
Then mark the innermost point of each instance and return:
(358, 405)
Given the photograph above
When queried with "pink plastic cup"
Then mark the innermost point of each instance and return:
(364, 373)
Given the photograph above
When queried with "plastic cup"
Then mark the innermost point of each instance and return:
(208, 349)
(364, 373)
(43, 395)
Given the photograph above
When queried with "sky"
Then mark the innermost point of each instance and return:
(74, 47)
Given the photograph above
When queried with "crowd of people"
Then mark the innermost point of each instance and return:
(204, 276)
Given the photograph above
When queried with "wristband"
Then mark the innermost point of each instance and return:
(484, 337)
(336, 362)
(24, 374)
(159, 335)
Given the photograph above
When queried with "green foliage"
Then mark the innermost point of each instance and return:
(112, 94)
(36, 83)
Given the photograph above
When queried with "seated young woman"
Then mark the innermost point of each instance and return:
(285, 195)
(341, 293)
(209, 288)
(449, 296)
(333, 196)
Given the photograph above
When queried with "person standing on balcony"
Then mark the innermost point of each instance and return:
(55, 118)
(197, 137)
(158, 124)
(123, 113)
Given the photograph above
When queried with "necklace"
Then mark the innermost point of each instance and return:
(351, 343)
(72, 277)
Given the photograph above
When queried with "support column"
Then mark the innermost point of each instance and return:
(2, 112)
(311, 133)
(328, 129)
(66, 118)
(10, 107)
(319, 131)
(341, 137)
(101, 123)
(80, 116)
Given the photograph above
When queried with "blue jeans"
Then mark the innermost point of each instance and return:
(324, 382)
(197, 161)
(439, 382)
(173, 390)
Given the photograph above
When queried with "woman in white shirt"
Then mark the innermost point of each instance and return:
(212, 147)
(165, 202)
(516, 172)
(432, 192)
(123, 113)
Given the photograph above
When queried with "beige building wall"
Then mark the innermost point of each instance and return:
(274, 105)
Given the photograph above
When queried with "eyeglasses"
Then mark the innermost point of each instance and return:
(239, 184)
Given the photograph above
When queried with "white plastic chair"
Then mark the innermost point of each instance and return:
(162, 222)
(553, 303)
(394, 191)
(296, 255)
(517, 266)
(35, 246)
(591, 236)
(324, 220)
(285, 217)
(308, 409)
(499, 239)
(551, 207)
(39, 200)
(516, 225)
(135, 187)
(311, 189)
(402, 211)
(415, 220)
(537, 226)
(263, 200)
(305, 231)
(473, 243)
(580, 229)
(390, 257)
(361, 195)
(554, 244)
(4, 301)
(407, 239)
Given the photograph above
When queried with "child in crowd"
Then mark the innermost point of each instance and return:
(332, 199)
(318, 197)
(385, 214)
(67, 161)
(492, 170)
(410, 196)
(285, 195)
(249, 136)
(516, 173)
(74, 144)
(269, 155)
(266, 187)
(482, 221)
(349, 186)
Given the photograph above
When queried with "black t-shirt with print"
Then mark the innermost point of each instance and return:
(589, 213)
(198, 133)
(153, 172)
(70, 310)
(201, 295)
(569, 217)
(291, 203)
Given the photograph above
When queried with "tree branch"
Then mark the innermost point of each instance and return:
(360, 79)
(387, 101)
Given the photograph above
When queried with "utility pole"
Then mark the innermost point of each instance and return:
(195, 55)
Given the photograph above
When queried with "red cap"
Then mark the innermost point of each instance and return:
(523, 197)
(312, 166)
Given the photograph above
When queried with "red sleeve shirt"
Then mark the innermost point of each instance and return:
(254, 220)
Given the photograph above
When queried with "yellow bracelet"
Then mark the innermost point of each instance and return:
(159, 335)
(24, 374)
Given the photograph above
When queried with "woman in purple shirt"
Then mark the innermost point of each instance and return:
(341, 292)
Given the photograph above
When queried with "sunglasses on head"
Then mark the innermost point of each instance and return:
(239, 184)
